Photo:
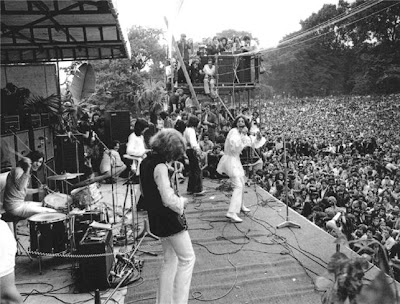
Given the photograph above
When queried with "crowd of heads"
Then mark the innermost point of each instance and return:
(343, 155)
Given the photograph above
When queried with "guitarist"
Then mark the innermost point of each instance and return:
(166, 216)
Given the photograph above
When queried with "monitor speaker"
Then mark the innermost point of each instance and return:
(118, 126)
(94, 271)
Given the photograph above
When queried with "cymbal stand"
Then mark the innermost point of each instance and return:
(129, 189)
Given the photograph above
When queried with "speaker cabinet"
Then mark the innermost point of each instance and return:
(45, 119)
(22, 143)
(226, 69)
(69, 154)
(32, 121)
(49, 139)
(244, 70)
(8, 157)
(118, 126)
(10, 123)
(38, 140)
(94, 272)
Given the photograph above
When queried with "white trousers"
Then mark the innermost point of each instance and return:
(28, 208)
(237, 194)
(209, 86)
(177, 269)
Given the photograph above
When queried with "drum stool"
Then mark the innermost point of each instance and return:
(10, 218)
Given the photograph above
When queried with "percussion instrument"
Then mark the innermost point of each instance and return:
(58, 201)
(48, 232)
(86, 196)
(64, 176)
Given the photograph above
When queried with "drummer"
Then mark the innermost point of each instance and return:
(111, 165)
(16, 187)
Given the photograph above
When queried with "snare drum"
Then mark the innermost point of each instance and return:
(86, 196)
(48, 232)
(58, 201)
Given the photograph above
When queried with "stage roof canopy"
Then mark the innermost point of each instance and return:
(51, 30)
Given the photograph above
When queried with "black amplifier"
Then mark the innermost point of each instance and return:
(31, 121)
(35, 120)
(10, 123)
(81, 222)
(45, 119)
(95, 270)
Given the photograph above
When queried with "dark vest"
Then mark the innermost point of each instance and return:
(163, 220)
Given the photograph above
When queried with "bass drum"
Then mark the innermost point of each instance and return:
(48, 232)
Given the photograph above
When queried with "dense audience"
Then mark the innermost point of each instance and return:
(343, 156)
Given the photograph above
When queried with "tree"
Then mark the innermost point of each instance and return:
(360, 54)
(119, 81)
(234, 33)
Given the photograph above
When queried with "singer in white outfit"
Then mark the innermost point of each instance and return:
(231, 165)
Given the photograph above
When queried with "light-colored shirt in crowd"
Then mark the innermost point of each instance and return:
(190, 137)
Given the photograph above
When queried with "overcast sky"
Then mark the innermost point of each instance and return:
(267, 20)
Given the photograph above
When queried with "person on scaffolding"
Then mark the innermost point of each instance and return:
(209, 78)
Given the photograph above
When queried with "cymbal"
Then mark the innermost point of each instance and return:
(89, 181)
(64, 176)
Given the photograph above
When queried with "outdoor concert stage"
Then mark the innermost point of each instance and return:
(250, 262)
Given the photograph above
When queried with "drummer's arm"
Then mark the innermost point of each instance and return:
(42, 188)
(22, 178)
(33, 190)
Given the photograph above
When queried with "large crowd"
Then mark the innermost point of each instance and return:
(342, 156)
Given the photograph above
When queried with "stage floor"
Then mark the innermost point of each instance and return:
(250, 262)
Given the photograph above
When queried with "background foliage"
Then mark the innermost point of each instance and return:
(359, 55)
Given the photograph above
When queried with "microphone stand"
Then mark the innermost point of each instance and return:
(112, 184)
(287, 223)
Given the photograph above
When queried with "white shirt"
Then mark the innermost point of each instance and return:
(209, 71)
(191, 140)
(135, 145)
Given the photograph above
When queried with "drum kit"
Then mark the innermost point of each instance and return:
(60, 232)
